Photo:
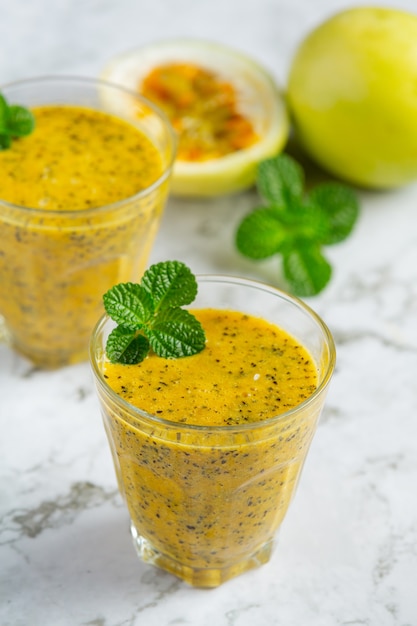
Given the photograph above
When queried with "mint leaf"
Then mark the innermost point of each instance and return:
(170, 284)
(341, 207)
(129, 305)
(176, 333)
(260, 234)
(125, 346)
(5, 141)
(21, 121)
(15, 121)
(310, 222)
(268, 231)
(280, 180)
(148, 315)
(306, 270)
(4, 114)
(297, 225)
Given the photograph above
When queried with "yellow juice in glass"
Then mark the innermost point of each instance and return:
(80, 204)
(208, 449)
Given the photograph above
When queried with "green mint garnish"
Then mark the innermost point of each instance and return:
(149, 315)
(15, 121)
(296, 224)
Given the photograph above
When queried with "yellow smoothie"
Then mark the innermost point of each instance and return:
(210, 483)
(85, 228)
(77, 158)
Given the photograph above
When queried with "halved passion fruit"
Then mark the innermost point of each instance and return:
(226, 108)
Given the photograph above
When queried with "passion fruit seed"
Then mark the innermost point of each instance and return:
(202, 108)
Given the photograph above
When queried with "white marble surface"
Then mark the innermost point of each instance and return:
(347, 554)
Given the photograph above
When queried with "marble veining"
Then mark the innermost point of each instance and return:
(347, 553)
(52, 514)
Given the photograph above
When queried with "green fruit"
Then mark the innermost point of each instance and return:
(352, 92)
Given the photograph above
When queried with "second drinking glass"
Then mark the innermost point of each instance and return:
(72, 222)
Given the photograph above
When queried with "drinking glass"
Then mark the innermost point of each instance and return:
(55, 265)
(205, 502)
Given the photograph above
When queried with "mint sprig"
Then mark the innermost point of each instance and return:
(149, 315)
(15, 121)
(296, 225)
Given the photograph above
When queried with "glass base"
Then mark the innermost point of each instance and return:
(198, 577)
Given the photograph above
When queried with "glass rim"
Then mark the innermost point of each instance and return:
(142, 415)
(104, 83)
